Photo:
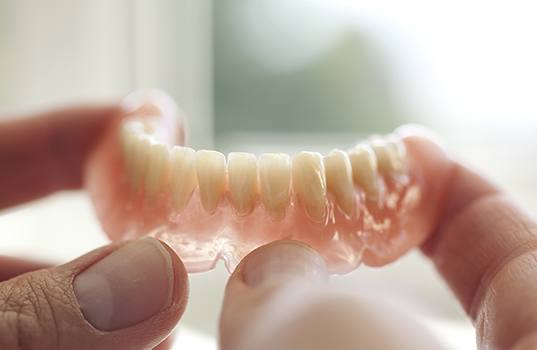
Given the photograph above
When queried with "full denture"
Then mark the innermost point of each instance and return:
(209, 206)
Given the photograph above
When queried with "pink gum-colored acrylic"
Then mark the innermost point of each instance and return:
(201, 239)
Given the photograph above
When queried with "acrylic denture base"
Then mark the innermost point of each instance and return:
(208, 206)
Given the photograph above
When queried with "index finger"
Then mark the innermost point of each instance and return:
(45, 152)
(485, 247)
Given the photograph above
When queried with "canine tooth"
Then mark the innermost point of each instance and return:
(157, 168)
(211, 172)
(183, 175)
(141, 149)
(338, 172)
(388, 160)
(275, 181)
(364, 169)
(309, 183)
(242, 178)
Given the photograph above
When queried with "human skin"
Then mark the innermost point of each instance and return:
(482, 244)
(55, 307)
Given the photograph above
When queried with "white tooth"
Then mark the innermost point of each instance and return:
(398, 152)
(309, 183)
(211, 172)
(242, 178)
(339, 179)
(388, 160)
(274, 182)
(183, 175)
(157, 169)
(364, 169)
(141, 149)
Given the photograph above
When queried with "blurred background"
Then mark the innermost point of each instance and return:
(276, 75)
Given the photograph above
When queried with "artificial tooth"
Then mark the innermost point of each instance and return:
(211, 172)
(309, 183)
(388, 160)
(398, 151)
(274, 181)
(338, 172)
(157, 168)
(242, 178)
(364, 169)
(141, 149)
(183, 175)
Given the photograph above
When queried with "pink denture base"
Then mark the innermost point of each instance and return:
(201, 239)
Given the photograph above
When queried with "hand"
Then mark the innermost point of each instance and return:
(484, 246)
(122, 296)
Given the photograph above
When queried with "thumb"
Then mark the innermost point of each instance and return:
(277, 298)
(127, 295)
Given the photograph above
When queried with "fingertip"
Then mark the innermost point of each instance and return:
(181, 284)
(125, 295)
(138, 281)
(281, 261)
(266, 286)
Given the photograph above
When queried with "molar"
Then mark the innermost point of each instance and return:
(275, 181)
(398, 151)
(211, 172)
(386, 151)
(309, 183)
(338, 172)
(183, 175)
(242, 178)
(364, 169)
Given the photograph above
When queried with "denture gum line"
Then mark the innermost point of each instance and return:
(209, 207)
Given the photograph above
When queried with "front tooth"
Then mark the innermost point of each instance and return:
(242, 173)
(157, 169)
(275, 181)
(141, 149)
(211, 172)
(183, 175)
(364, 169)
(339, 179)
(309, 183)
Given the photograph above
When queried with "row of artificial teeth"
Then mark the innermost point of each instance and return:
(157, 168)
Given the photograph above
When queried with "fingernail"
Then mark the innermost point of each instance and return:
(283, 261)
(126, 287)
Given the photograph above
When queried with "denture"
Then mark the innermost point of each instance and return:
(357, 205)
